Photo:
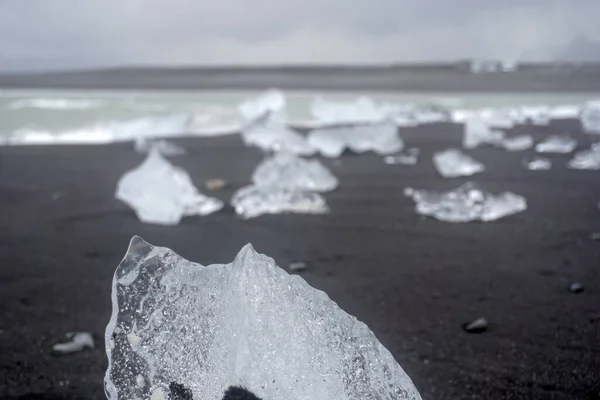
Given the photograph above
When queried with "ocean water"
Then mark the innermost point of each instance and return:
(42, 116)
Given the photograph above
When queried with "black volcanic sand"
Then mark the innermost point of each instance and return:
(413, 280)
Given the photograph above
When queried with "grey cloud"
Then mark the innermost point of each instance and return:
(38, 34)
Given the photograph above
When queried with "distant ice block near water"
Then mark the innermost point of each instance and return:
(161, 193)
(478, 132)
(285, 183)
(466, 203)
(560, 144)
(382, 139)
(144, 145)
(359, 111)
(181, 326)
(271, 102)
(271, 134)
(453, 163)
(590, 117)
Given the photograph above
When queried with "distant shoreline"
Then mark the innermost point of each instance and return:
(454, 77)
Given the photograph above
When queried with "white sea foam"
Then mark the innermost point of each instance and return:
(55, 104)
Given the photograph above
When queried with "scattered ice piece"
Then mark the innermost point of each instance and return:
(215, 184)
(556, 144)
(382, 139)
(254, 200)
(244, 324)
(297, 267)
(565, 112)
(271, 135)
(161, 193)
(466, 203)
(586, 159)
(576, 287)
(164, 147)
(272, 103)
(78, 342)
(538, 164)
(286, 169)
(498, 118)
(478, 132)
(590, 117)
(410, 157)
(518, 143)
(431, 115)
(536, 115)
(480, 325)
(359, 111)
(453, 163)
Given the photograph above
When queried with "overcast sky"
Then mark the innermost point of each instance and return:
(54, 34)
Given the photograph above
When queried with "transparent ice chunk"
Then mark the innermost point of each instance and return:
(498, 118)
(164, 147)
(161, 193)
(248, 323)
(254, 200)
(271, 135)
(453, 163)
(590, 117)
(478, 132)
(272, 102)
(586, 159)
(518, 143)
(77, 342)
(556, 144)
(286, 169)
(538, 164)
(465, 204)
(382, 139)
(409, 157)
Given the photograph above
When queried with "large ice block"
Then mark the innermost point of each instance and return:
(181, 327)
(288, 170)
(382, 139)
(590, 117)
(466, 203)
(556, 144)
(161, 193)
(452, 163)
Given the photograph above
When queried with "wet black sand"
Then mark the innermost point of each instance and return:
(414, 281)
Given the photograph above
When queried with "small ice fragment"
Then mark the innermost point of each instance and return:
(273, 135)
(565, 112)
(161, 193)
(537, 164)
(453, 163)
(466, 203)
(215, 184)
(556, 144)
(478, 132)
(410, 157)
(243, 324)
(479, 325)
(382, 139)
(144, 145)
(590, 117)
(576, 287)
(586, 159)
(79, 341)
(297, 267)
(518, 143)
(286, 169)
(272, 102)
(254, 200)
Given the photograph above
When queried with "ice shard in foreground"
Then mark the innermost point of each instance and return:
(286, 169)
(556, 144)
(177, 325)
(466, 203)
(382, 139)
(453, 163)
(161, 193)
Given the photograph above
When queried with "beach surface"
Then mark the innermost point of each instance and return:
(413, 280)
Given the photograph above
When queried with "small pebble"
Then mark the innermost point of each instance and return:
(297, 267)
(215, 184)
(479, 325)
(576, 287)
